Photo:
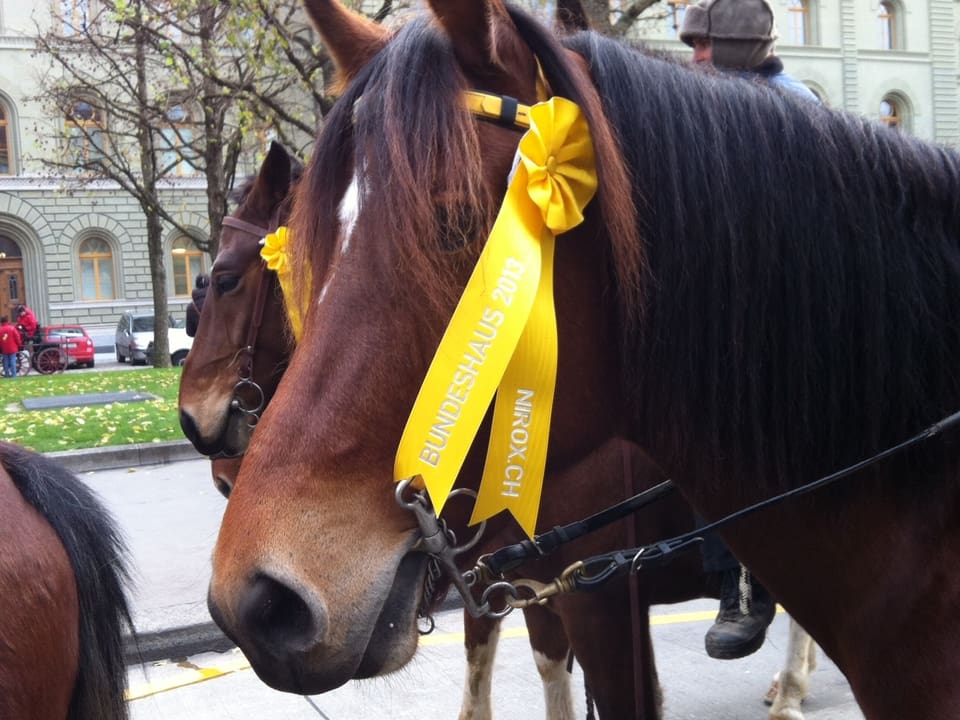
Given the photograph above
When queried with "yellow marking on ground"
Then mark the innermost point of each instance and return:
(237, 663)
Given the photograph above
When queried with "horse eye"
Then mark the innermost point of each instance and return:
(457, 227)
(226, 283)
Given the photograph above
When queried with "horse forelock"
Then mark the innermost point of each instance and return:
(399, 132)
(804, 267)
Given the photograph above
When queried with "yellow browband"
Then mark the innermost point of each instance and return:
(503, 109)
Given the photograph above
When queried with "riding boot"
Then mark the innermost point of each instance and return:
(746, 609)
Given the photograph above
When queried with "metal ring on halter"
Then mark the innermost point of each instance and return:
(236, 402)
(509, 590)
(458, 549)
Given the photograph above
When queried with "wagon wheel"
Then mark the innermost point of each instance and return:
(23, 362)
(51, 360)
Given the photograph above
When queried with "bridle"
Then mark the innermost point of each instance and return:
(498, 595)
(246, 387)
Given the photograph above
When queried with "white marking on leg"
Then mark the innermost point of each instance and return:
(476, 693)
(556, 687)
(794, 679)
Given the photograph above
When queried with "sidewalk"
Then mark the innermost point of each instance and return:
(163, 498)
(169, 512)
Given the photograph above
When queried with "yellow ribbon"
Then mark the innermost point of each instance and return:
(274, 253)
(502, 337)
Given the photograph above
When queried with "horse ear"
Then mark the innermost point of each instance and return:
(352, 39)
(484, 39)
(571, 16)
(275, 172)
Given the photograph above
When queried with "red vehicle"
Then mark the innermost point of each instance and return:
(74, 341)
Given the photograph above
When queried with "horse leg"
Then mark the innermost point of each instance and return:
(551, 651)
(607, 646)
(791, 685)
(480, 637)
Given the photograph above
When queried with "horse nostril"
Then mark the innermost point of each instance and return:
(224, 486)
(277, 616)
(189, 427)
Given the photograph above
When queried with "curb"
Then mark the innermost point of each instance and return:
(119, 456)
(174, 643)
(186, 640)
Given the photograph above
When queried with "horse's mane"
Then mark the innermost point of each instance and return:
(777, 268)
(401, 117)
(98, 556)
(804, 272)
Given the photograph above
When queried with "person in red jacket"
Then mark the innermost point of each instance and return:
(26, 321)
(9, 346)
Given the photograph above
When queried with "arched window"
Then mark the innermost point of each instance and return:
(888, 25)
(86, 133)
(96, 269)
(891, 112)
(188, 262)
(178, 139)
(6, 161)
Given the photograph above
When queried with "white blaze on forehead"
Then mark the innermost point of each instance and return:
(347, 213)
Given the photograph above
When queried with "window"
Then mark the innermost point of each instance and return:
(75, 15)
(177, 141)
(96, 269)
(6, 167)
(188, 262)
(888, 23)
(798, 22)
(678, 9)
(86, 133)
(892, 112)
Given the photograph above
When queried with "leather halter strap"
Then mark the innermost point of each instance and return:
(245, 368)
(502, 109)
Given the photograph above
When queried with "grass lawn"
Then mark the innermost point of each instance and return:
(95, 425)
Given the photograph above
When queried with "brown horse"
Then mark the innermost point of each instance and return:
(207, 392)
(243, 341)
(762, 293)
(63, 608)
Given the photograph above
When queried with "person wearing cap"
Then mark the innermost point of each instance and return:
(738, 36)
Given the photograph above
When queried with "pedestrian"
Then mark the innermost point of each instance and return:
(198, 295)
(10, 343)
(738, 36)
(26, 322)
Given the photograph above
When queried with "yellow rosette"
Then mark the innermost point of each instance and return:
(274, 253)
(502, 337)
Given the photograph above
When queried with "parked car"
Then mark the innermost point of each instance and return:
(73, 340)
(134, 339)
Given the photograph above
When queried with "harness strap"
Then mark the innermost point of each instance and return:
(243, 225)
(639, 656)
(597, 570)
(512, 556)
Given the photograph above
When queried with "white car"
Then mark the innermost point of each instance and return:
(134, 339)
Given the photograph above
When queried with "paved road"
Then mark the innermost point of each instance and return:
(222, 687)
(170, 514)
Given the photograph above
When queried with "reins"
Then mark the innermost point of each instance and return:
(592, 573)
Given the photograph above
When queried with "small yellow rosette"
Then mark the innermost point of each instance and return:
(275, 255)
(502, 337)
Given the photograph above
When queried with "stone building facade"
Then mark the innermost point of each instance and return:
(894, 61)
(72, 249)
(76, 252)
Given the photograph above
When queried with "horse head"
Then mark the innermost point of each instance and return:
(243, 341)
(411, 184)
